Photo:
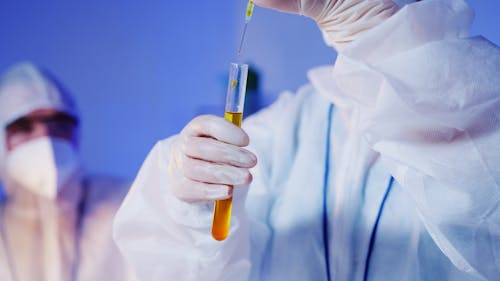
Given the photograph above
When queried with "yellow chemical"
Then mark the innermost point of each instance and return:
(234, 117)
(222, 208)
(249, 12)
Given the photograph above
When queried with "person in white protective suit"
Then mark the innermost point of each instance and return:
(55, 224)
(385, 167)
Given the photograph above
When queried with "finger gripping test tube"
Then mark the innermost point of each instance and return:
(235, 100)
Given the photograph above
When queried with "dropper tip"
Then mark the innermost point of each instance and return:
(242, 38)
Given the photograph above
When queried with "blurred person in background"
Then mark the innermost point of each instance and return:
(55, 223)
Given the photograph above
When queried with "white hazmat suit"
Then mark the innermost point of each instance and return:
(52, 233)
(386, 167)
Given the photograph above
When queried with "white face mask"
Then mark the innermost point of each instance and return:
(43, 165)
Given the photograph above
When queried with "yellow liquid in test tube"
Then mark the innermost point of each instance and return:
(222, 209)
(235, 101)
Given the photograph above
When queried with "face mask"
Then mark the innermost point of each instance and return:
(43, 166)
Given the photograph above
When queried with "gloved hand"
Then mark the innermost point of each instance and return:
(341, 21)
(207, 157)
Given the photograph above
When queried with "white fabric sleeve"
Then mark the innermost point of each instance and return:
(164, 238)
(428, 99)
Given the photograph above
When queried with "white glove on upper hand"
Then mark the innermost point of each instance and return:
(341, 21)
(207, 157)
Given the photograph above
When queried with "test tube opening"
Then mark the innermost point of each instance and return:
(236, 88)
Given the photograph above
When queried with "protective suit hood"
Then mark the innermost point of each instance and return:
(25, 88)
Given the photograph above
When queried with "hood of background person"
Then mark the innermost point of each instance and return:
(25, 88)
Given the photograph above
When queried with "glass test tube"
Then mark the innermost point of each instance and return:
(235, 100)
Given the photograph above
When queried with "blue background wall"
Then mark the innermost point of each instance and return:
(140, 70)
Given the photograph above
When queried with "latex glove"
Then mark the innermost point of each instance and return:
(341, 21)
(207, 157)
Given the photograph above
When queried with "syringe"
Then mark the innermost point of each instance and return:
(248, 17)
